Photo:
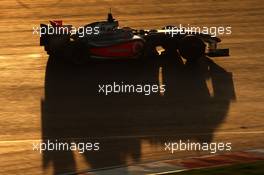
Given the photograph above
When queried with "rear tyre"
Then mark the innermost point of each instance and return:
(191, 48)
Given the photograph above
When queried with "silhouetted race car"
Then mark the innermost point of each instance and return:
(107, 41)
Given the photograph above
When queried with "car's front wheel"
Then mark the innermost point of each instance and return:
(191, 48)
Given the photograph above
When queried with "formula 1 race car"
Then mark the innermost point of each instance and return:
(106, 40)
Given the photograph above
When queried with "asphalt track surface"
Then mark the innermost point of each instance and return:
(43, 99)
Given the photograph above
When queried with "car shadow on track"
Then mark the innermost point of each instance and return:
(74, 111)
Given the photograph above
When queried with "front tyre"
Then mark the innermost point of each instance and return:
(191, 48)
